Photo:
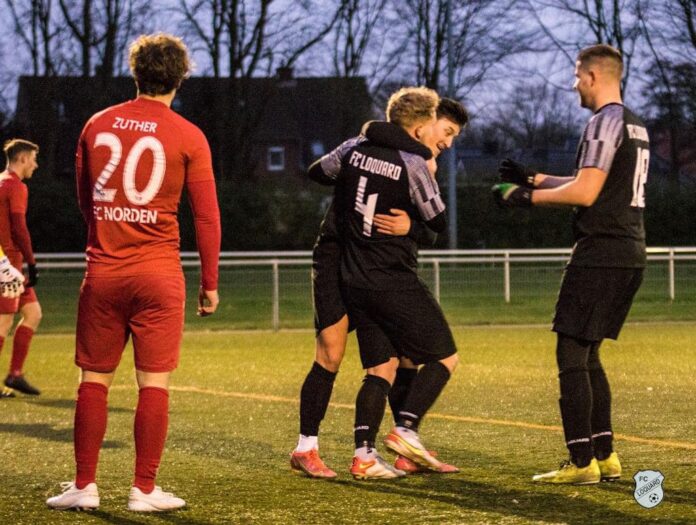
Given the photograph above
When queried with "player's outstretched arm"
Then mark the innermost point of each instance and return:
(581, 190)
(526, 177)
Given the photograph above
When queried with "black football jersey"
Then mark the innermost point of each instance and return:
(610, 233)
(372, 178)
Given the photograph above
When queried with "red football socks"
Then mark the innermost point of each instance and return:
(90, 427)
(151, 422)
(20, 349)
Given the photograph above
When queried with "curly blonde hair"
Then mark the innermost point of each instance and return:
(412, 104)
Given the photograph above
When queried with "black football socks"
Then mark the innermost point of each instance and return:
(314, 398)
(425, 388)
(602, 435)
(400, 389)
(576, 397)
(369, 410)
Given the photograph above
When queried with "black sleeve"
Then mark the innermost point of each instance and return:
(316, 173)
(438, 223)
(423, 235)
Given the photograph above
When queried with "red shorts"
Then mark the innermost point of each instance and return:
(12, 306)
(148, 307)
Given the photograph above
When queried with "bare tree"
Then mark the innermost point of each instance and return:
(668, 29)
(205, 21)
(101, 28)
(481, 40)
(37, 30)
(354, 30)
(610, 22)
(535, 117)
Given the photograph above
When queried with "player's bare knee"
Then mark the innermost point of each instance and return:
(153, 379)
(31, 315)
(103, 378)
(5, 324)
(386, 371)
(331, 345)
(330, 356)
(451, 362)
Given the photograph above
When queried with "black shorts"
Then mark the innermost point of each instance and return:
(404, 323)
(326, 279)
(593, 302)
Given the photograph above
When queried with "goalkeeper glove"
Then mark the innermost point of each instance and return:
(11, 280)
(509, 195)
(511, 171)
(33, 277)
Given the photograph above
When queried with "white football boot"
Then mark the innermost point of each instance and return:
(155, 501)
(74, 498)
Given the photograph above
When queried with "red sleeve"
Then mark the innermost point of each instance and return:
(206, 218)
(199, 166)
(20, 236)
(84, 192)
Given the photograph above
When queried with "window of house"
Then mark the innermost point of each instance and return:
(317, 148)
(275, 159)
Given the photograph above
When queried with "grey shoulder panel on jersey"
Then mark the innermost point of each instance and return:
(331, 162)
(602, 137)
(424, 191)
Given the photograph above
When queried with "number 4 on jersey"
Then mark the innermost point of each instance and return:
(366, 208)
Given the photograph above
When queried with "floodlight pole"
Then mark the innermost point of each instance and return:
(451, 153)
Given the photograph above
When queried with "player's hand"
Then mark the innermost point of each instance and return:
(33, 276)
(432, 166)
(208, 301)
(398, 223)
(512, 171)
(509, 195)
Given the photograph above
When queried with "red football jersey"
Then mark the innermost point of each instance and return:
(132, 162)
(13, 199)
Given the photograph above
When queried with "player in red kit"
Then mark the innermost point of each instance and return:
(133, 160)
(14, 237)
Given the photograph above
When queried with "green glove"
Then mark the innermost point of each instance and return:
(508, 195)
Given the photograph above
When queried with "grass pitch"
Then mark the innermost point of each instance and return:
(234, 420)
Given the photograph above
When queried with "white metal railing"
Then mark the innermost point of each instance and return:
(433, 258)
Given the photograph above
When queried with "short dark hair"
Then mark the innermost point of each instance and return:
(14, 147)
(608, 56)
(159, 63)
(454, 111)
